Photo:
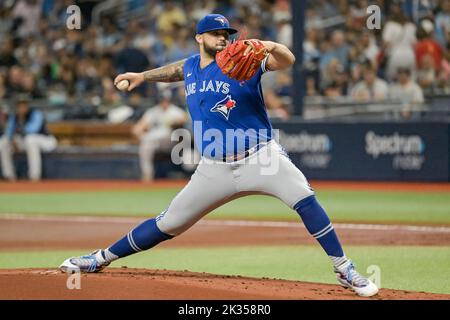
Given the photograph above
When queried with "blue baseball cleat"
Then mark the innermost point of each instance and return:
(93, 262)
(348, 277)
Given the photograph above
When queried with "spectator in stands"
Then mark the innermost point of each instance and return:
(86, 75)
(14, 80)
(6, 24)
(3, 117)
(29, 86)
(154, 129)
(183, 47)
(335, 49)
(7, 58)
(406, 90)
(284, 27)
(443, 77)
(427, 74)
(442, 21)
(142, 38)
(335, 77)
(2, 86)
(71, 64)
(132, 60)
(25, 131)
(27, 13)
(399, 38)
(109, 34)
(427, 47)
(369, 46)
(371, 88)
(311, 59)
(277, 94)
(357, 15)
(170, 17)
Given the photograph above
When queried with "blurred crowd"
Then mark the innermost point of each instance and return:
(342, 58)
(41, 56)
(406, 59)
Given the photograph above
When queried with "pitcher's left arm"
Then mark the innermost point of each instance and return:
(280, 57)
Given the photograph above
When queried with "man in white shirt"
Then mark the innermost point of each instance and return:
(399, 38)
(406, 90)
(154, 130)
(371, 88)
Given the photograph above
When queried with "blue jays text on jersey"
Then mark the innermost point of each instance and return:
(228, 116)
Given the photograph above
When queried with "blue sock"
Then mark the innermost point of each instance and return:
(143, 237)
(319, 226)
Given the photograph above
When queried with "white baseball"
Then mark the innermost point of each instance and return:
(123, 85)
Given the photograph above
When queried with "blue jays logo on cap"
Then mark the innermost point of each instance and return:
(213, 22)
(222, 20)
(224, 106)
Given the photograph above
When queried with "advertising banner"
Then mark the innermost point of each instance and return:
(368, 151)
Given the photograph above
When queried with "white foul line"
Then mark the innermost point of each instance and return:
(228, 223)
(352, 226)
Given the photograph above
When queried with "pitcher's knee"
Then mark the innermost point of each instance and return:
(172, 225)
(172, 228)
(302, 193)
(305, 202)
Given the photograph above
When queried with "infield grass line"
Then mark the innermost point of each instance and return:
(231, 223)
(415, 268)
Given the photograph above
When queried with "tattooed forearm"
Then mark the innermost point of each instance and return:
(170, 73)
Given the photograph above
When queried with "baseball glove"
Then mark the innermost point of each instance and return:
(241, 59)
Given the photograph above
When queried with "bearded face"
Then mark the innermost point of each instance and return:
(214, 41)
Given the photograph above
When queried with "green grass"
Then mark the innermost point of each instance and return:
(408, 268)
(367, 206)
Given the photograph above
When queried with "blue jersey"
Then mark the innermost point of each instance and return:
(34, 123)
(228, 116)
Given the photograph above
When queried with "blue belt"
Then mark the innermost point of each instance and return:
(245, 154)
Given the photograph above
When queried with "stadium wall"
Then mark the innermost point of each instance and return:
(368, 151)
(413, 151)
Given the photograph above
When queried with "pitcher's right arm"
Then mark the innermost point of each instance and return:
(171, 73)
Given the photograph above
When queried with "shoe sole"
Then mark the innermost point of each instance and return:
(368, 291)
(69, 267)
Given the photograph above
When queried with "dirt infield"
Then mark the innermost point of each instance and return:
(40, 233)
(99, 185)
(123, 283)
(52, 232)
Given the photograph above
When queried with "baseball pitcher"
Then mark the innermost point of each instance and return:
(239, 153)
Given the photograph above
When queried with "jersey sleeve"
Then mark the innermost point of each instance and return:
(35, 123)
(189, 63)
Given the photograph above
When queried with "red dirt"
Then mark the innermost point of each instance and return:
(34, 234)
(126, 283)
(123, 283)
(99, 185)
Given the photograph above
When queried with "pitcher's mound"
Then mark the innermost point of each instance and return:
(124, 283)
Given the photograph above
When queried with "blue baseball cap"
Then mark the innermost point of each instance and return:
(213, 22)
